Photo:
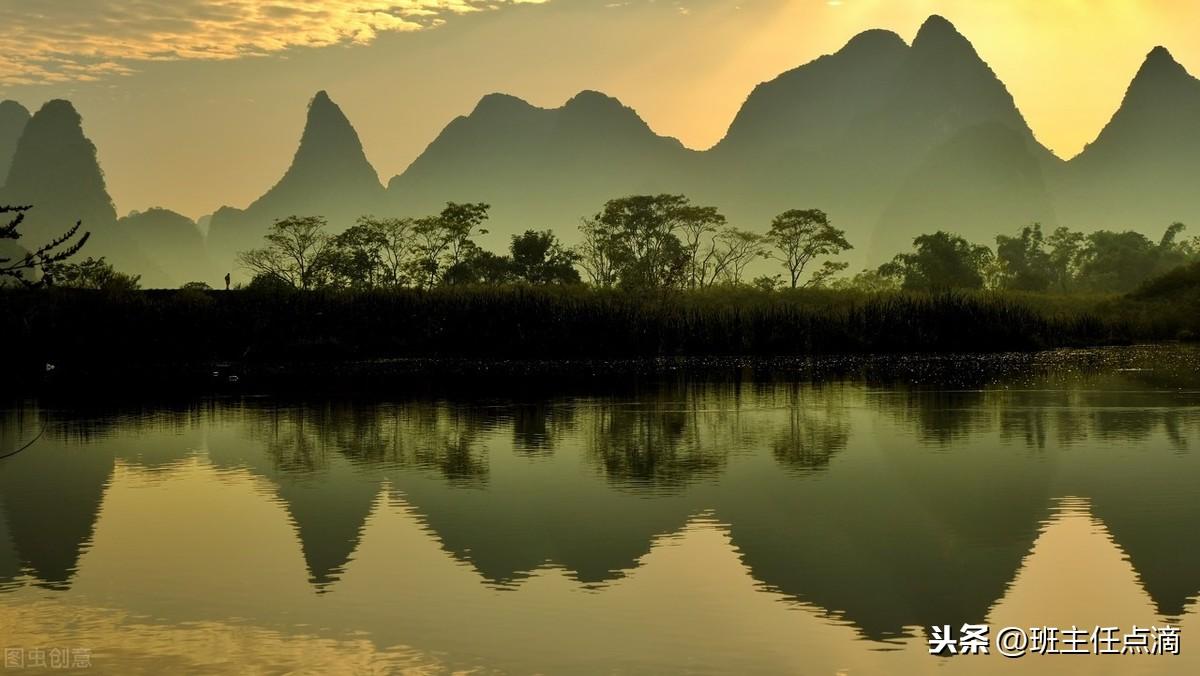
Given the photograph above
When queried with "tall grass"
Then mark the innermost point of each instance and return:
(528, 323)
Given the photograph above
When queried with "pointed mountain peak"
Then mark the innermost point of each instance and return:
(1157, 117)
(330, 159)
(1160, 81)
(1159, 64)
(323, 113)
(328, 138)
(1160, 53)
(936, 24)
(939, 34)
(54, 167)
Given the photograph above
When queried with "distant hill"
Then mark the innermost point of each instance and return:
(174, 242)
(54, 168)
(541, 168)
(1141, 171)
(329, 176)
(13, 118)
(892, 140)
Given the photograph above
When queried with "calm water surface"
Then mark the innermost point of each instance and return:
(734, 521)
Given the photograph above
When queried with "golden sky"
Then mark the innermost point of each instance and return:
(198, 103)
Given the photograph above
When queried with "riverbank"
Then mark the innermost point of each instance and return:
(195, 331)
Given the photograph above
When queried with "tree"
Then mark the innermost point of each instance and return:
(767, 282)
(91, 273)
(1025, 264)
(800, 235)
(539, 258)
(637, 237)
(1066, 247)
(356, 258)
(1115, 261)
(299, 252)
(701, 229)
(828, 270)
(598, 254)
(732, 251)
(868, 281)
(43, 257)
(940, 262)
(1120, 261)
(460, 223)
(446, 241)
(376, 252)
(483, 267)
(398, 253)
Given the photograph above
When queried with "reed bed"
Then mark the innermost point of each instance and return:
(533, 323)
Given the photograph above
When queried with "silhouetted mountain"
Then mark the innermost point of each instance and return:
(172, 241)
(329, 516)
(1140, 171)
(891, 140)
(786, 148)
(13, 118)
(806, 108)
(951, 134)
(953, 189)
(905, 139)
(55, 169)
(538, 167)
(49, 529)
(329, 176)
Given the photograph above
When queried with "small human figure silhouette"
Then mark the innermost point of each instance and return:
(226, 281)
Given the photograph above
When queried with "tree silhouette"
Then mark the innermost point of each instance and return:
(42, 258)
(941, 262)
(1025, 263)
(298, 252)
(800, 235)
(539, 258)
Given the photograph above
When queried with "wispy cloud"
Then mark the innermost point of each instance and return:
(79, 40)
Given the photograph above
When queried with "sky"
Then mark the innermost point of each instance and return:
(194, 104)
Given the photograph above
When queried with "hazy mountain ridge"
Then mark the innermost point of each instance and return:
(891, 139)
(1141, 169)
(906, 117)
(54, 168)
(329, 176)
(13, 118)
(540, 167)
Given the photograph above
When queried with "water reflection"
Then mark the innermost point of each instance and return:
(873, 509)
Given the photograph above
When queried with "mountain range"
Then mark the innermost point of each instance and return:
(890, 139)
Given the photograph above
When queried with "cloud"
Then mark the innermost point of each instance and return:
(44, 41)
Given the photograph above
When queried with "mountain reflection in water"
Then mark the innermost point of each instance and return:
(724, 524)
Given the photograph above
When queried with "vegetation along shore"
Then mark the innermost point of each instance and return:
(655, 276)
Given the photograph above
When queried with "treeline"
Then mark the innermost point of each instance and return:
(645, 242)
(636, 243)
(1065, 261)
